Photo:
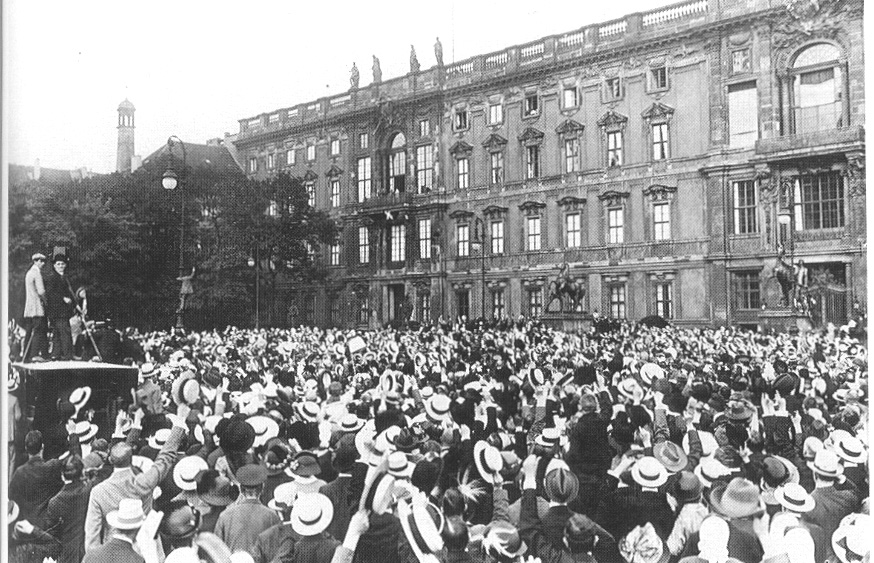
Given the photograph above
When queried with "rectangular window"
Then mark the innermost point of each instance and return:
(398, 243)
(532, 162)
(463, 240)
(253, 164)
(363, 141)
(741, 61)
(747, 290)
(573, 231)
(499, 310)
(424, 307)
(334, 310)
(617, 301)
(335, 147)
(460, 121)
(363, 179)
(572, 155)
(274, 118)
(661, 217)
(496, 164)
(819, 202)
(271, 161)
(664, 300)
(462, 302)
(425, 239)
(311, 153)
(425, 168)
(496, 114)
(570, 98)
(659, 141)
(424, 127)
(335, 192)
(463, 165)
(614, 148)
(335, 255)
(309, 309)
(363, 245)
(743, 117)
(613, 88)
(817, 99)
(311, 193)
(531, 105)
(290, 157)
(533, 224)
(616, 225)
(535, 302)
(497, 228)
(273, 209)
(363, 309)
(658, 78)
(745, 205)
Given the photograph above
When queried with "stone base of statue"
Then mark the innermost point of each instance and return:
(570, 321)
(784, 319)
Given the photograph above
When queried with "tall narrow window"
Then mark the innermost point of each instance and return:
(745, 205)
(271, 161)
(659, 141)
(573, 231)
(335, 192)
(363, 309)
(571, 155)
(290, 157)
(743, 118)
(658, 78)
(398, 243)
(531, 105)
(311, 153)
(397, 164)
(819, 202)
(335, 254)
(532, 162)
(424, 307)
(463, 166)
(424, 168)
(497, 232)
(364, 179)
(533, 224)
(616, 225)
(311, 193)
(496, 114)
(613, 89)
(499, 309)
(817, 89)
(614, 148)
(496, 162)
(463, 240)
(363, 141)
(661, 216)
(617, 301)
(424, 127)
(363, 245)
(570, 97)
(253, 164)
(425, 239)
(462, 302)
(535, 301)
(664, 300)
(460, 121)
(747, 289)
(335, 147)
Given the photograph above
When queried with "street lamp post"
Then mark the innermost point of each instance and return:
(480, 241)
(170, 181)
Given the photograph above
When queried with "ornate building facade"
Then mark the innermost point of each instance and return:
(666, 157)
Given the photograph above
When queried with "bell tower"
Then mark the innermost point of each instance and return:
(125, 136)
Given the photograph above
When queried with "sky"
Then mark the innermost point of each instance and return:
(193, 68)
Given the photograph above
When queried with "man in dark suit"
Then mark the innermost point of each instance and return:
(125, 523)
(37, 481)
(64, 518)
(834, 498)
(59, 309)
(625, 508)
(339, 491)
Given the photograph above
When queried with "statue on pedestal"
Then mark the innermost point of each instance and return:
(377, 70)
(354, 76)
(414, 60)
(565, 286)
(438, 52)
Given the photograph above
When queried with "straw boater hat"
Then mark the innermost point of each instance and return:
(86, 431)
(826, 463)
(159, 438)
(649, 472)
(185, 389)
(79, 397)
(488, 461)
(14, 380)
(309, 411)
(549, 438)
(378, 494)
(437, 407)
(422, 527)
(502, 539)
(129, 515)
(794, 498)
(399, 466)
(650, 371)
(850, 449)
(351, 423)
(851, 541)
(312, 514)
(265, 429)
(283, 497)
(187, 471)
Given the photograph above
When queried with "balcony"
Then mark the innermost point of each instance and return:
(809, 140)
(387, 202)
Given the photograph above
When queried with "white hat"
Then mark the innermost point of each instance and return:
(187, 470)
(629, 388)
(183, 555)
(851, 541)
(283, 496)
(826, 463)
(79, 397)
(265, 429)
(421, 529)
(129, 515)
(794, 498)
(850, 449)
(351, 423)
(312, 515)
(549, 437)
(399, 466)
(309, 411)
(378, 495)
(86, 431)
(488, 461)
(649, 472)
(14, 380)
(650, 371)
(709, 470)
(159, 438)
(437, 407)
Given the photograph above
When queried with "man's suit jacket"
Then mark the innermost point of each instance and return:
(832, 504)
(64, 518)
(124, 483)
(33, 484)
(628, 507)
(113, 551)
(339, 491)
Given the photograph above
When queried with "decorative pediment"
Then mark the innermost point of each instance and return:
(572, 203)
(310, 176)
(531, 136)
(494, 142)
(658, 111)
(460, 148)
(461, 214)
(532, 206)
(569, 127)
(660, 193)
(494, 211)
(612, 198)
(334, 171)
(612, 119)
(533, 283)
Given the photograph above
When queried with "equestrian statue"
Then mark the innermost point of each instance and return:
(793, 280)
(566, 286)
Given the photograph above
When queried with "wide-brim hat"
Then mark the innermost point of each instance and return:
(351, 423)
(159, 438)
(304, 464)
(265, 429)
(549, 438)
(739, 410)
(710, 470)
(378, 495)
(79, 397)
(13, 381)
(826, 463)
(503, 539)
(649, 472)
(184, 393)
(422, 525)
(794, 498)
(488, 461)
(283, 496)
(628, 388)
(851, 541)
(437, 407)
(850, 449)
(399, 465)
(309, 411)
(312, 514)
(739, 498)
(86, 431)
(187, 471)
(670, 455)
(129, 515)
(536, 378)
(650, 371)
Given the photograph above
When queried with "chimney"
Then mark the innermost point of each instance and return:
(136, 162)
(36, 170)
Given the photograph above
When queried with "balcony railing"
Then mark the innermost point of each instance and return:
(390, 199)
(823, 117)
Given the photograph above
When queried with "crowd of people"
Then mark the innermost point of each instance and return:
(492, 442)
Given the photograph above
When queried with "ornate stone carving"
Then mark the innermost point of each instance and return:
(530, 207)
(334, 171)
(612, 198)
(461, 214)
(494, 142)
(658, 110)
(310, 176)
(612, 119)
(805, 19)
(658, 192)
(460, 149)
(569, 127)
(494, 211)
(572, 203)
(531, 136)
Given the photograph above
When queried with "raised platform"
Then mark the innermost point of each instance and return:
(784, 319)
(568, 322)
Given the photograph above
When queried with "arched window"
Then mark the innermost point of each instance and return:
(817, 91)
(397, 163)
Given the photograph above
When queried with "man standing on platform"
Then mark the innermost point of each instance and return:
(59, 309)
(35, 341)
